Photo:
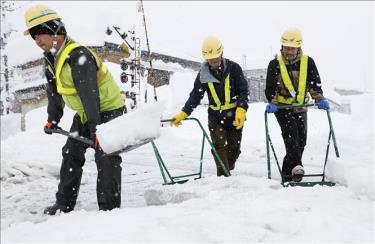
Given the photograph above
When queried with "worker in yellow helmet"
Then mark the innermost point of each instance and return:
(227, 92)
(78, 78)
(290, 78)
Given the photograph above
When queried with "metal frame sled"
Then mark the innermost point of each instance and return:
(303, 183)
(91, 143)
(168, 178)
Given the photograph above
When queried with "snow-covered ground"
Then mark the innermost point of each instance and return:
(246, 207)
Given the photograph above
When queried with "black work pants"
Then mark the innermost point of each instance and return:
(227, 142)
(294, 132)
(108, 188)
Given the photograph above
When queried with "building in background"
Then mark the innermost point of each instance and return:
(28, 88)
(256, 79)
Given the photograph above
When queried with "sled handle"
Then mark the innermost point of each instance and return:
(297, 106)
(205, 135)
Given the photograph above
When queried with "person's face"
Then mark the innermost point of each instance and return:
(44, 41)
(290, 53)
(214, 62)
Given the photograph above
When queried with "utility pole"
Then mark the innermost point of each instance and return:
(244, 65)
(5, 7)
(6, 78)
(148, 50)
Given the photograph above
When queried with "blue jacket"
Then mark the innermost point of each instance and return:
(238, 92)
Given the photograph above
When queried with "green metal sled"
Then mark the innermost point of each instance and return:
(168, 178)
(303, 183)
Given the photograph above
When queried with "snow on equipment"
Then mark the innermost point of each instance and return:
(91, 143)
(131, 128)
(303, 183)
(126, 132)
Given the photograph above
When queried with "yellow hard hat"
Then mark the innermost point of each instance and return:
(212, 48)
(37, 15)
(292, 37)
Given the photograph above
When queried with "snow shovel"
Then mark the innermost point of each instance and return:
(91, 143)
(269, 144)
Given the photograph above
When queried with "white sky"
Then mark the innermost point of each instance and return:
(338, 35)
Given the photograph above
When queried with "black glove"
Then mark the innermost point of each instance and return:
(51, 125)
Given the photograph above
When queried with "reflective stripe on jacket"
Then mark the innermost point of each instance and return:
(298, 97)
(109, 93)
(227, 104)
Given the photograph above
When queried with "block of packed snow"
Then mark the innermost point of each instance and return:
(131, 128)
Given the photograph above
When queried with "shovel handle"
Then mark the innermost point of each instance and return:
(70, 135)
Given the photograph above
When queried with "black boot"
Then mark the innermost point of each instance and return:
(51, 210)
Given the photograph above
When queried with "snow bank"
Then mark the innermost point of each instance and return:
(355, 138)
(10, 125)
(31, 153)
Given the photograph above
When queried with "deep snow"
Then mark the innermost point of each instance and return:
(246, 207)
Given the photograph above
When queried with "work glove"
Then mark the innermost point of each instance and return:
(323, 104)
(240, 118)
(271, 108)
(51, 125)
(176, 121)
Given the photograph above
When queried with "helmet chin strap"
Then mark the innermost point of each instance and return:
(54, 44)
(53, 50)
